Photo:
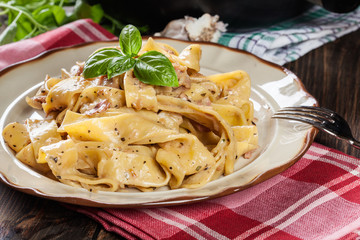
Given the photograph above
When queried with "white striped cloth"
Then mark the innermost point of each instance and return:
(293, 38)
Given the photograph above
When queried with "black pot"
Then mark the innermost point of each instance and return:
(239, 14)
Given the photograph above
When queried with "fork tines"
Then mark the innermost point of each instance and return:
(321, 118)
(311, 115)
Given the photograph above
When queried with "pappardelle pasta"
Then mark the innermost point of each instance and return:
(112, 134)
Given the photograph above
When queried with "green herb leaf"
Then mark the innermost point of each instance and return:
(24, 26)
(119, 65)
(151, 68)
(9, 33)
(97, 64)
(155, 68)
(83, 10)
(130, 40)
(51, 16)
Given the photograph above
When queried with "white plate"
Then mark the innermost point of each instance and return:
(282, 143)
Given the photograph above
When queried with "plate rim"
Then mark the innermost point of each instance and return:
(308, 140)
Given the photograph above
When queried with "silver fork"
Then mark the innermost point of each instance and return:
(321, 118)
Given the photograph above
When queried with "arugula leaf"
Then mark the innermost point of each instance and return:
(59, 14)
(119, 65)
(9, 33)
(130, 40)
(84, 10)
(38, 16)
(31, 5)
(24, 28)
(51, 16)
(155, 68)
(27, 26)
(97, 64)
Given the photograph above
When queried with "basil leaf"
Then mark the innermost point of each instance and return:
(97, 64)
(119, 65)
(130, 40)
(155, 68)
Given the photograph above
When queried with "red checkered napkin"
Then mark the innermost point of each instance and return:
(77, 32)
(316, 198)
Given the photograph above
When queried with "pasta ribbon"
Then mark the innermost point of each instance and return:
(139, 95)
(135, 166)
(189, 57)
(188, 156)
(164, 48)
(64, 94)
(42, 133)
(138, 130)
(62, 158)
(16, 136)
(233, 83)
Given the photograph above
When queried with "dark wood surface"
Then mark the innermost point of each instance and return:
(330, 73)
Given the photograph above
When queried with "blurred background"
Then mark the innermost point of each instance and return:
(239, 14)
(22, 19)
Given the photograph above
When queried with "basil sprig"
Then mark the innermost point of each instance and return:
(151, 67)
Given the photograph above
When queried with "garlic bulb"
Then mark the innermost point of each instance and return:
(206, 28)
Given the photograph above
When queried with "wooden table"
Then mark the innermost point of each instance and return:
(331, 74)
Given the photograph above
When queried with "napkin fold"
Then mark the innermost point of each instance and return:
(317, 198)
(288, 40)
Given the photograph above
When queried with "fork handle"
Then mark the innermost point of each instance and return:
(355, 143)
